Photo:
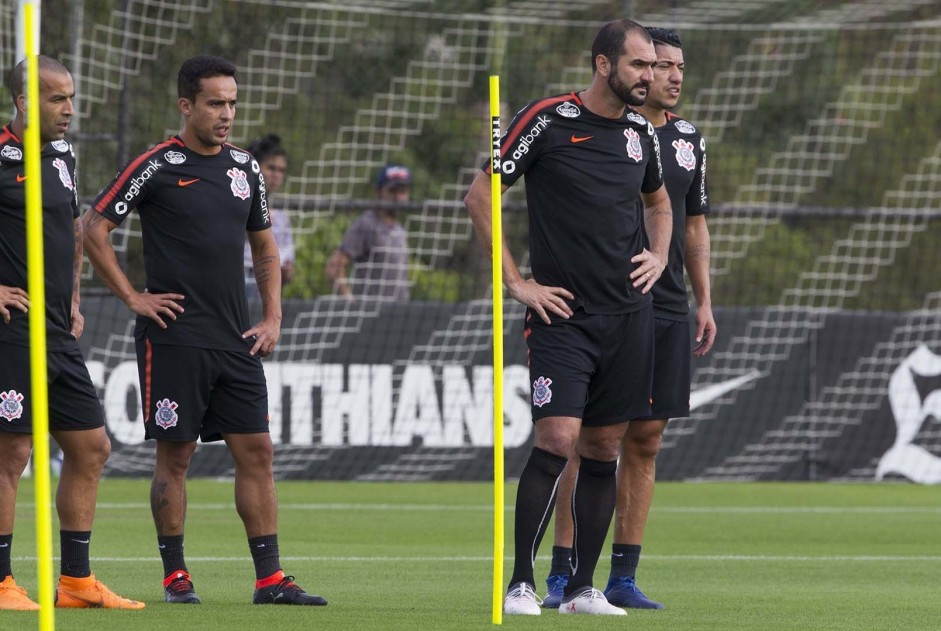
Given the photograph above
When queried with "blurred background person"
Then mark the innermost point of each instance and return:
(376, 243)
(273, 160)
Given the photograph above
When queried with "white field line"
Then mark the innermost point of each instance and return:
(777, 510)
(761, 558)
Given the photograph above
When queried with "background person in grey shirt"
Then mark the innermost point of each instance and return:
(273, 160)
(376, 245)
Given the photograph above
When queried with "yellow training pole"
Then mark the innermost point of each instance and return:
(496, 220)
(37, 326)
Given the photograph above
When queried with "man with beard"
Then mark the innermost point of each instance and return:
(588, 160)
(684, 166)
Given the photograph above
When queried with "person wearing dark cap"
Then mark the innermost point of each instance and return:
(376, 244)
(684, 173)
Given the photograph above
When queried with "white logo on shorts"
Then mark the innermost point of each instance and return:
(542, 393)
(166, 416)
(11, 406)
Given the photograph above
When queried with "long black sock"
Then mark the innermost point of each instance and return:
(74, 545)
(561, 560)
(592, 509)
(171, 552)
(624, 560)
(535, 498)
(265, 554)
(6, 543)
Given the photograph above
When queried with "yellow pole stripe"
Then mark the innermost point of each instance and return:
(496, 216)
(37, 324)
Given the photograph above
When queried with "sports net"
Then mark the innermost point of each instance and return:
(825, 168)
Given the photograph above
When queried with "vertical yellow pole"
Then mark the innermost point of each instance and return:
(37, 324)
(496, 215)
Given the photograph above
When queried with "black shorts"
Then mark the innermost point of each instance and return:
(594, 367)
(671, 371)
(189, 393)
(73, 401)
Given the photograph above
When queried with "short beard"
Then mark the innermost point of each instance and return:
(624, 93)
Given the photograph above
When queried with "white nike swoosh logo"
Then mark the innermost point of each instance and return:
(708, 394)
(81, 540)
(5, 545)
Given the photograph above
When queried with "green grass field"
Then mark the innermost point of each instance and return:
(417, 556)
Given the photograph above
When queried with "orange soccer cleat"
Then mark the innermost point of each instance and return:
(88, 592)
(14, 598)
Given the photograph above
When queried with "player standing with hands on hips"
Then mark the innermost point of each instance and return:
(684, 172)
(76, 419)
(588, 161)
(199, 360)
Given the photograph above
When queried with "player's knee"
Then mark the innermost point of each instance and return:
(14, 457)
(87, 454)
(643, 445)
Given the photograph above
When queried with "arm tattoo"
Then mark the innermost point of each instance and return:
(263, 269)
(698, 252)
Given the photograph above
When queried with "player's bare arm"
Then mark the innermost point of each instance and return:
(697, 266)
(539, 298)
(78, 320)
(335, 271)
(658, 220)
(97, 241)
(267, 263)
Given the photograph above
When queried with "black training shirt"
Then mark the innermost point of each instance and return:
(194, 211)
(59, 211)
(584, 174)
(683, 153)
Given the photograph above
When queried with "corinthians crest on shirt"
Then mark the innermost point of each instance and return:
(684, 154)
(11, 405)
(166, 416)
(240, 187)
(634, 150)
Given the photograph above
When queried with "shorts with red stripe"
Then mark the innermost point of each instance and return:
(189, 393)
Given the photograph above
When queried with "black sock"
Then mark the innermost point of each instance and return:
(535, 498)
(6, 543)
(171, 552)
(592, 509)
(561, 560)
(624, 560)
(265, 554)
(74, 545)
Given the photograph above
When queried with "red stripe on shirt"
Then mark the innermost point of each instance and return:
(537, 107)
(108, 197)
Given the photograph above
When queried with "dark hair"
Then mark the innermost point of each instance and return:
(667, 36)
(195, 69)
(610, 40)
(16, 77)
(268, 146)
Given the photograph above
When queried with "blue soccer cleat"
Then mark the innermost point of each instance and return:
(622, 592)
(556, 587)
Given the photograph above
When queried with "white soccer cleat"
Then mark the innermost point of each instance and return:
(590, 601)
(522, 600)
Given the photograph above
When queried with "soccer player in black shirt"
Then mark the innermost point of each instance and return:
(588, 160)
(76, 419)
(684, 172)
(199, 360)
